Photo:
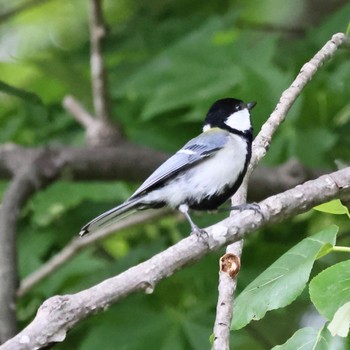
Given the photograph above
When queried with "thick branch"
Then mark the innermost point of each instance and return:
(60, 313)
(133, 163)
(226, 289)
(8, 256)
(23, 185)
(127, 162)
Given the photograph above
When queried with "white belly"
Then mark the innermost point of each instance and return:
(206, 178)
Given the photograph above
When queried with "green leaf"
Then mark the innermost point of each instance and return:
(154, 328)
(50, 204)
(329, 290)
(305, 339)
(32, 247)
(341, 321)
(333, 207)
(73, 275)
(194, 331)
(194, 69)
(316, 152)
(348, 30)
(283, 281)
(326, 249)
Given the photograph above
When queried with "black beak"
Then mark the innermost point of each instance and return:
(251, 105)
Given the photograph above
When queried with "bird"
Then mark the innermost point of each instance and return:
(202, 175)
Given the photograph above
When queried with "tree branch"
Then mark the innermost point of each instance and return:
(87, 163)
(26, 181)
(104, 131)
(226, 289)
(9, 211)
(101, 131)
(227, 285)
(60, 313)
(80, 114)
(119, 164)
(308, 70)
(98, 32)
(291, 174)
(228, 282)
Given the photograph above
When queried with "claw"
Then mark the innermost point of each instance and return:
(247, 206)
(200, 233)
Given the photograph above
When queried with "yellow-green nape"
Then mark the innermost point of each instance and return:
(208, 127)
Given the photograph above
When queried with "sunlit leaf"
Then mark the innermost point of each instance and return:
(282, 282)
(333, 207)
(306, 339)
(329, 290)
(341, 321)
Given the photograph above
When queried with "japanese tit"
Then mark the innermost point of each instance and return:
(203, 174)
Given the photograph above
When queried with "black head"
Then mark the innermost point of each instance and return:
(230, 114)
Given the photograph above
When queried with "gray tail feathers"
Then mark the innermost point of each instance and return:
(110, 216)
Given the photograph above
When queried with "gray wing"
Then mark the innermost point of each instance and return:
(197, 149)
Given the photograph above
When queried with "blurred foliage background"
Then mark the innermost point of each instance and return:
(167, 62)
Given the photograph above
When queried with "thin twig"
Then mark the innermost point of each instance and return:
(77, 244)
(262, 141)
(59, 314)
(260, 147)
(98, 32)
(80, 114)
(101, 130)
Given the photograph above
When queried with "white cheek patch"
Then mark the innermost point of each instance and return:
(239, 120)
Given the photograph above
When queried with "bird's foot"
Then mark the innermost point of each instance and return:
(247, 206)
(200, 233)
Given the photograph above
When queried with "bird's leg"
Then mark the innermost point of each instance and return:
(195, 229)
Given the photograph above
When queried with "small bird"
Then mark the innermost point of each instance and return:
(203, 174)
